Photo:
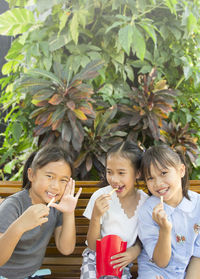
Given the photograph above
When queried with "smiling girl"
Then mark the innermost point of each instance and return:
(27, 223)
(115, 213)
(168, 230)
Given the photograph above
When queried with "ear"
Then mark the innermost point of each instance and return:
(182, 170)
(30, 174)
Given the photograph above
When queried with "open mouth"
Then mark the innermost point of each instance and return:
(120, 189)
(51, 195)
(163, 191)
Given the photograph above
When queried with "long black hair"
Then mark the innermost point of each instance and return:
(40, 158)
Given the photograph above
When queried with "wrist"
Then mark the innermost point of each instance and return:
(18, 228)
(96, 217)
(165, 230)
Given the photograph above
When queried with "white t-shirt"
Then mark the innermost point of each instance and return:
(115, 221)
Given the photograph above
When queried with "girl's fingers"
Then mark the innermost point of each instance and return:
(72, 189)
(44, 220)
(69, 190)
(78, 193)
(117, 256)
(120, 265)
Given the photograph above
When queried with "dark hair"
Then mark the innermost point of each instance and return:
(164, 156)
(47, 154)
(128, 150)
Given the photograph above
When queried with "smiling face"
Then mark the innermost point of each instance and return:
(120, 174)
(49, 181)
(166, 182)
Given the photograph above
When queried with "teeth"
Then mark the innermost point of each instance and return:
(162, 191)
(50, 194)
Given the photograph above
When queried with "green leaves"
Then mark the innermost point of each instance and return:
(61, 103)
(130, 37)
(65, 89)
(139, 43)
(103, 134)
(126, 37)
(148, 106)
(16, 21)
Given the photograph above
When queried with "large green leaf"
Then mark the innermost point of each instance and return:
(138, 44)
(16, 21)
(126, 37)
(150, 29)
(46, 74)
(16, 131)
(74, 28)
(90, 70)
(56, 42)
(37, 83)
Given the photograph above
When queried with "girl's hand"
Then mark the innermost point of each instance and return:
(121, 260)
(101, 205)
(68, 201)
(34, 216)
(160, 217)
(159, 277)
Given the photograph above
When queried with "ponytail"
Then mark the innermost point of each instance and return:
(25, 182)
(185, 178)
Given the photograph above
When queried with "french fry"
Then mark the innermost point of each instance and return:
(113, 190)
(51, 201)
(161, 199)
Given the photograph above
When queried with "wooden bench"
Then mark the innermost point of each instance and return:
(69, 266)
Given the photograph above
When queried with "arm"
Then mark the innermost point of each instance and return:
(193, 269)
(123, 259)
(34, 216)
(162, 251)
(100, 207)
(65, 235)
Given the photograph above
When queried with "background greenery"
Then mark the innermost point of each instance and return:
(88, 73)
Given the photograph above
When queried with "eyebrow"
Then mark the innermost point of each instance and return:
(50, 172)
(117, 169)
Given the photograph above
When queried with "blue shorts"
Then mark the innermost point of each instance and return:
(38, 274)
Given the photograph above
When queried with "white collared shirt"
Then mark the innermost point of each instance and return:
(185, 235)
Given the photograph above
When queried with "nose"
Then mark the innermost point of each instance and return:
(158, 182)
(114, 180)
(55, 184)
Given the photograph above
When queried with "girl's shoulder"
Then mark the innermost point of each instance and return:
(143, 195)
(194, 199)
(16, 197)
(149, 202)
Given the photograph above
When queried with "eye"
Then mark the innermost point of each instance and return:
(65, 180)
(108, 172)
(149, 178)
(122, 173)
(49, 176)
(164, 173)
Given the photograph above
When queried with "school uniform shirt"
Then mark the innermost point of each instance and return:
(185, 237)
(114, 220)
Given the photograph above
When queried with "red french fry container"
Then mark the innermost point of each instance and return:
(107, 247)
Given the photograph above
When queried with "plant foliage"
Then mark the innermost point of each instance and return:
(55, 90)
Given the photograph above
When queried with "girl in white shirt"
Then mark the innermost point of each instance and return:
(117, 213)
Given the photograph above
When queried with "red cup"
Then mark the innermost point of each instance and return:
(107, 247)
